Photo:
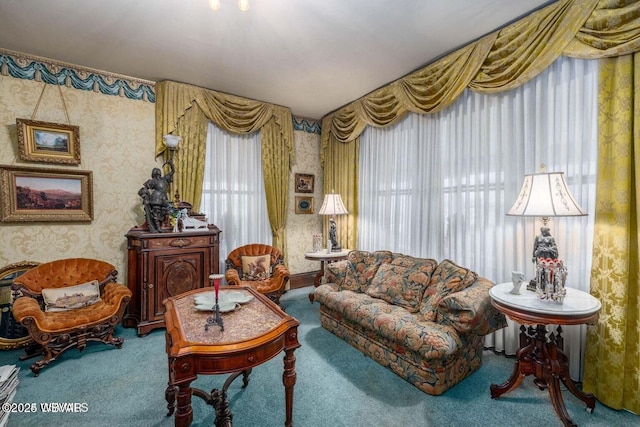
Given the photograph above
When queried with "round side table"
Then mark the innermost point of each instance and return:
(539, 354)
(324, 257)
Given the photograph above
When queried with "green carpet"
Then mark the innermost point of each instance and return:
(336, 386)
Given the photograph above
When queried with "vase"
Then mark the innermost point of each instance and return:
(317, 242)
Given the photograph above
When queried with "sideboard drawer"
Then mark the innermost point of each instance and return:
(178, 242)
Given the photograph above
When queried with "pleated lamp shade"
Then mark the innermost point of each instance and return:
(333, 205)
(545, 195)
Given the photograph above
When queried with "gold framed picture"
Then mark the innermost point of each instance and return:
(304, 183)
(304, 204)
(48, 142)
(45, 195)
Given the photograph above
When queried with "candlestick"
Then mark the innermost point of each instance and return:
(216, 319)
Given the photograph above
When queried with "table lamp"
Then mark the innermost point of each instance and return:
(332, 205)
(546, 195)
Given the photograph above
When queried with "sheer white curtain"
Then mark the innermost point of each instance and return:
(233, 196)
(439, 185)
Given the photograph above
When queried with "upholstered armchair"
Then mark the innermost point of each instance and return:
(260, 267)
(66, 303)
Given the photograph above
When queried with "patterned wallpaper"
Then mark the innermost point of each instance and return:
(116, 144)
(301, 227)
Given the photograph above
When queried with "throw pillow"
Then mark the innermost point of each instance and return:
(71, 297)
(447, 279)
(256, 267)
(362, 268)
(399, 285)
(424, 265)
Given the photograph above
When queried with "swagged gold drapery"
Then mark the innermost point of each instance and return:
(501, 61)
(185, 110)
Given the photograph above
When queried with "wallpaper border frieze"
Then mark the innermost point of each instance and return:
(29, 67)
(306, 125)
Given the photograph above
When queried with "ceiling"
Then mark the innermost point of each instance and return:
(312, 56)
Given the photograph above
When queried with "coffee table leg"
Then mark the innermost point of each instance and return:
(289, 380)
(184, 413)
(170, 396)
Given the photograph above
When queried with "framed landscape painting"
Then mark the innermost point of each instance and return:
(45, 195)
(48, 142)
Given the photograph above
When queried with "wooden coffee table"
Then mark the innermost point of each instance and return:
(256, 332)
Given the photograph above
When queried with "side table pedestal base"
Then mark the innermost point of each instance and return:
(544, 358)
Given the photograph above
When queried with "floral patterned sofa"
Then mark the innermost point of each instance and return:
(422, 319)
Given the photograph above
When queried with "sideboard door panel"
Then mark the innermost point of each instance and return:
(180, 274)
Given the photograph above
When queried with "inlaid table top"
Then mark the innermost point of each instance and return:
(249, 321)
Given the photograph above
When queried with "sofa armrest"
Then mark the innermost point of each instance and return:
(280, 272)
(335, 272)
(470, 311)
(232, 277)
(115, 294)
(25, 307)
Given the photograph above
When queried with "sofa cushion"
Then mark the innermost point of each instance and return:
(446, 279)
(399, 285)
(362, 268)
(71, 297)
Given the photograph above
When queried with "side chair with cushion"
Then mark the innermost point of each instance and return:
(260, 267)
(64, 304)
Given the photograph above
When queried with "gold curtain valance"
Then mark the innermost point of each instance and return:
(499, 61)
(229, 112)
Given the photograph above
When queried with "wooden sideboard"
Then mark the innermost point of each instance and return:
(162, 265)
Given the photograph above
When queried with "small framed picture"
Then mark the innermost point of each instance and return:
(48, 142)
(304, 205)
(45, 195)
(304, 183)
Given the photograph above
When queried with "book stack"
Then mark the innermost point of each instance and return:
(8, 386)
